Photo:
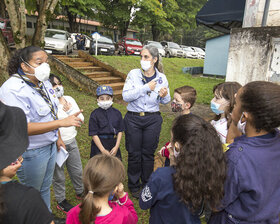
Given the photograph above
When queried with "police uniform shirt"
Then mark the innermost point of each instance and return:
(16, 92)
(105, 122)
(138, 94)
(252, 187)
(164, 203)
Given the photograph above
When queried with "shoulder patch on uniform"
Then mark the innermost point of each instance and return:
(146, 194)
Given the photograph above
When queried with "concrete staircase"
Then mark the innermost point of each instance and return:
(98, 74)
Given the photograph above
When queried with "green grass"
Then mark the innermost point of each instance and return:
(88, 103)
(173, 71)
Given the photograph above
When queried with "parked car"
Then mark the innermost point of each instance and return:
(58, 41)
(6, 28)
(87, 44)
(105, 45)
(160, 48)
(189, 52)
(201, 53)
(172, 49)
(129, 46)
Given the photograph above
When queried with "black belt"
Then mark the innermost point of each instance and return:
(141, 114)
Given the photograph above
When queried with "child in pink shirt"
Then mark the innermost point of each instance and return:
(102, 181)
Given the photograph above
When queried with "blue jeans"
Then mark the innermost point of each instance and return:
(37, 170)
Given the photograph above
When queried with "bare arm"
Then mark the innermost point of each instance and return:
(41, 128)
(98, 143)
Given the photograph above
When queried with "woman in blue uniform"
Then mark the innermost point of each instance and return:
(144, 90)
(29, 89)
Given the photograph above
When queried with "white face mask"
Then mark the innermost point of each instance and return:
(42, 72)
(146, 65)
(59, 91)
(105, 104)
(241, 126)
(176, 154)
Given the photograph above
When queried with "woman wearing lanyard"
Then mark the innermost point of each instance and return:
(28, 88)
(144, 91)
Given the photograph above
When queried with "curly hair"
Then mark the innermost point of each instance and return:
(226, 90)
(101, 175)
(200, 166)
(262, 100)
(19, 55)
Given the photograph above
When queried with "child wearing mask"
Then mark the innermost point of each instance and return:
(66, 107)
(105, 125)
(178, 193)
(103, 176)
(222, 105)
(252, 186)
(183, 100)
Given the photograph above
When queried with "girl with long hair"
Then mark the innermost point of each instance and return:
(177, 194)
(252, 187)
(102, 179)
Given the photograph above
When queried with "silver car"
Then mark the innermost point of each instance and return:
(156, 44)
(58, 41)
(189, 52)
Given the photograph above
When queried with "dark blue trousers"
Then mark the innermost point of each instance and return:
(141, 139)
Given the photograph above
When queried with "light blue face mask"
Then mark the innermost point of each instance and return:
(215, 108)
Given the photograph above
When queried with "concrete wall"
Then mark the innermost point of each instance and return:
(216, 56)
(254, 13)
(254, 54)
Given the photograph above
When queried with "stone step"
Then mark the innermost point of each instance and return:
(117, 85)
(108, 80)
(97, 74)
(72, 59)
(79, 64)
(118, 93)
(88, 69)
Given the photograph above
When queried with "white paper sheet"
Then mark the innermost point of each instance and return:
(61, 156)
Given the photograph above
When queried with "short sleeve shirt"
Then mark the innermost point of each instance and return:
(105, 122)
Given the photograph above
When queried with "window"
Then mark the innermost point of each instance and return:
(29, 25)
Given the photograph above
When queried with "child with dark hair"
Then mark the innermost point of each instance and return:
(105, 125)
(252, 187)
(102, 180)
(183, 100)
(222, 105)
(176, 194)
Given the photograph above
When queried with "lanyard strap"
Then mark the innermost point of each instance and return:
(41, 91)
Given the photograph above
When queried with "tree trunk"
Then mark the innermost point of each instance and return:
(71, 20)
(155, 32)
(2, 9)
(4, 58)
(44, 8)
(16, 11)
(123, 28)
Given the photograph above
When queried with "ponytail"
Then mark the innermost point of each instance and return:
(89, 210)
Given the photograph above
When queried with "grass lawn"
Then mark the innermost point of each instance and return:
(173, 68)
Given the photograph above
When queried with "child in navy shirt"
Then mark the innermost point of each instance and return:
(252, 187)
(105, 125)
(183, 100)
(177, 194)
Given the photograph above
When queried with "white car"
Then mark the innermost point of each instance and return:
(58, 41)
(189, 52)
(158, 45)
(201, 53)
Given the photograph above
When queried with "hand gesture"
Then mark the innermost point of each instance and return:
(11, 170)
(72, 120)
(105, 152)
(163, 92)
(152, 84)
(114, 151)
(120, 191)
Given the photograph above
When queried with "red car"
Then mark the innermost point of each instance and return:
(6, 28)
(129, 46)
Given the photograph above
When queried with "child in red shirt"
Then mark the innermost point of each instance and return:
(102, 181)
(183, 99)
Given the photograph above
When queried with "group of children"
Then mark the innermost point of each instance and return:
(237, 186)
